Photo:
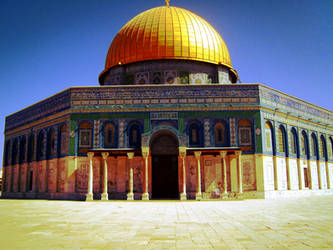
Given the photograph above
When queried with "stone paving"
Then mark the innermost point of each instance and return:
(302, 223)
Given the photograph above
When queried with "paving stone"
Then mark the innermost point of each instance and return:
(303, 223)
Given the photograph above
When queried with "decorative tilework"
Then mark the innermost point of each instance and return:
(96, 133)
(121, 133)
(207, 132)
(233, 132)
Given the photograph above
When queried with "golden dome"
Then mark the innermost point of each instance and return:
(167, 33)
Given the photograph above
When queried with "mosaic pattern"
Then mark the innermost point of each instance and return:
(233, 131)
(96, 133)
(289, 104)
(207, 132)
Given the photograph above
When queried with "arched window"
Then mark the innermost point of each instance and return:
(314, 146)
(7, 153)
(50, 143)
(323, 150)
(85, 135)
(134, 135)
(22, 149)
(244, 133)
(282, 140)
(110, 140)
(304, 145)
(294, 142)
(220, 134)
(31, 146)
(330, 148)
(195, 133)
(269, 137)
(14, 152)
(40, 146)
(62, 142)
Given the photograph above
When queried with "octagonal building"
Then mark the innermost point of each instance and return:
(170, 120)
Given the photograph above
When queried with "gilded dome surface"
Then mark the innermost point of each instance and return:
(167, 32)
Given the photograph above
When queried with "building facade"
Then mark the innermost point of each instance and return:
(169, 121)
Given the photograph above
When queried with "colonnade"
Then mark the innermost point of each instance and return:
(300, 173)
(182, 155)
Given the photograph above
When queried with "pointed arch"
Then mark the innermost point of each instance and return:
(7, 153)
(323, 148)
(269, 138)
(40, 146)
(282, 140)
(195, 133)
(50, 148)
(305, 145)
(31, 148)
(330, 148)
(62, 140)
(294, 142)
(134, 132)
(220, 134)
(14, 151)
(23, 143)
(110, 138)
(314, 146)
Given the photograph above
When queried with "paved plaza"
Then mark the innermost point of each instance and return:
(302, 223)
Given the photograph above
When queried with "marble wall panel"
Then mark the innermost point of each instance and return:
(97, 165)
(293, 171)
(323, 175)
(268, 173)
(282, 173)
(330, 171)
(61, 175)
(210, 180)
(122, 175)
(15, 178)
(52, 176)
(82, 175)
(314, 174)
(138, 174)
(191, 174)
(249, 173)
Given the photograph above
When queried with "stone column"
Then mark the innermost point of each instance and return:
(105, 195)
(240, 172)
(198, 195)
(145, 154)
(309, 174)
(328, 175)
(320, 186)
(288, 174)
(299, 170)
(223, 155)
(276, 179)
(90, 195)
(130, 195)
(182, 154)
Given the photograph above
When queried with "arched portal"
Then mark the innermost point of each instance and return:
(164, 152)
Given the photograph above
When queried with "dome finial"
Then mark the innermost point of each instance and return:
(167, 2)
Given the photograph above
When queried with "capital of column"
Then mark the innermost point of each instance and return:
(182, 152)
(130, 155)
(223, 154)
(90, 155)
(105, 155)
(145, 152)
(197, 154)
(238, 152)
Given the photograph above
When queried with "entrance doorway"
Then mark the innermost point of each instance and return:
(164, 150)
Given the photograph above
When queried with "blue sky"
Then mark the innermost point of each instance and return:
(48, 46)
